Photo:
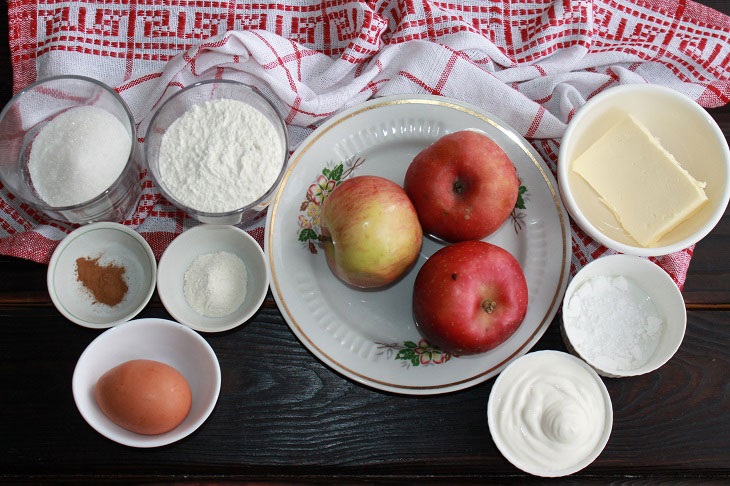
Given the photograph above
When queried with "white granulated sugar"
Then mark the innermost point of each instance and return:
(215, 284)
(613, 323)
(220, 156)
(77, 155)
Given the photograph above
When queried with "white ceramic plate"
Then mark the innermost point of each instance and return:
(370, 336)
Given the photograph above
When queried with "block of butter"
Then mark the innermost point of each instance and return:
(640, 181)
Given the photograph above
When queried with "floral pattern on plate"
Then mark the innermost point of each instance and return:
(309, 222)
(412, 354)
(519, 214)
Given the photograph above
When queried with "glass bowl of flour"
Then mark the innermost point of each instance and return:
(69, 150)
(217, 150)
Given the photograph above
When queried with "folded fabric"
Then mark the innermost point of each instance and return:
(533, 64)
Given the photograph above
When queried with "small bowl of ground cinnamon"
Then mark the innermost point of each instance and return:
(101, 275)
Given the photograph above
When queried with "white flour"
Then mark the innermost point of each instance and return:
(220, 156)
(78, 155)
(215, 284)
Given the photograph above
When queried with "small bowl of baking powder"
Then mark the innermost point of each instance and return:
(212, 278)
(623, 315)
(217, 150)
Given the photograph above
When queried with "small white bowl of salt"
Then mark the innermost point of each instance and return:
(623, 315)
(212, 278)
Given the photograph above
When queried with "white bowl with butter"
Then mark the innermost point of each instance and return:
(550, 414)
(625, 142)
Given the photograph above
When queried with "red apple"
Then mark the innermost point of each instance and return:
(463, 186)
(371, 229)
(469, 297)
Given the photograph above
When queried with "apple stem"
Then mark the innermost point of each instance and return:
(458, 187)
(323, 238)
(489, 305)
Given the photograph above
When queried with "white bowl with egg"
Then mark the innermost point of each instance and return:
(113, 244)
(151, 339)
(206, 240)
(663, 294)
(682, 127)
(549, 414)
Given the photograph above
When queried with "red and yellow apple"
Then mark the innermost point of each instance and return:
(469, 297)
(371, 231)
(463, 186)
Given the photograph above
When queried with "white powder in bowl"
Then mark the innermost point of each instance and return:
(215, 284)
(77, 155)
(613, 323)
(220, 156)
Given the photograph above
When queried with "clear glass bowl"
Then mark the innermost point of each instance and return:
(28, 112)
(200, 93)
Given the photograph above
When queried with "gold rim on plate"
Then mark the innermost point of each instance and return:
(422, 101)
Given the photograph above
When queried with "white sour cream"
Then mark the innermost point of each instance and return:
(550, 414)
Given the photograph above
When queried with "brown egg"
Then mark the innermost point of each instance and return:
(144, 396)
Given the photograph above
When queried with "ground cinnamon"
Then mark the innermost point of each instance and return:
(105, 282)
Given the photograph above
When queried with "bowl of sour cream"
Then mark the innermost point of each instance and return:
(549, 414)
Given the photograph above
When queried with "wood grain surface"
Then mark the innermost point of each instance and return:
(281, 410)
(284, 417)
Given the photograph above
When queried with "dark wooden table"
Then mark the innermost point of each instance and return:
(284, 417)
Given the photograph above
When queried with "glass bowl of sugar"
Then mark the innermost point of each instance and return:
(217, 150)
(69, 150)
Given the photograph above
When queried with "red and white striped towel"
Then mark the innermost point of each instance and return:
(533, 63)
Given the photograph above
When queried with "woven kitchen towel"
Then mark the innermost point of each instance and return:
(533, 63)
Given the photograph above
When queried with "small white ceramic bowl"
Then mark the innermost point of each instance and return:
(201, 240)
(506, 379)
(661, 289)
(684, 128)
(113, 243)
(155, 339)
